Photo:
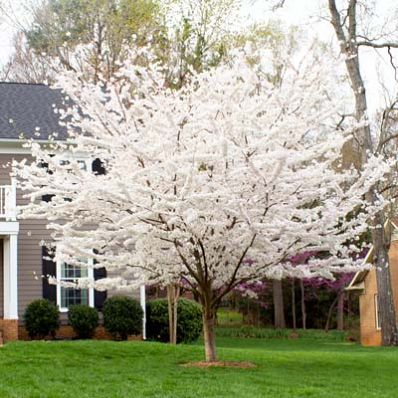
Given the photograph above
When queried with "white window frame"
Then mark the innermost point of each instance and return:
(90, 274)
(377, 320)
(88, 163)
(79, 158)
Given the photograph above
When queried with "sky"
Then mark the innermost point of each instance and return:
(306, 14)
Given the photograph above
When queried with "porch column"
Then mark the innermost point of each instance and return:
(143, 306)
(11, 277)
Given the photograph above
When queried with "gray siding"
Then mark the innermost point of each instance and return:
(31, 232)
(29, 249)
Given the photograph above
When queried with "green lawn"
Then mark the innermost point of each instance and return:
(226, 317)
(285, 368)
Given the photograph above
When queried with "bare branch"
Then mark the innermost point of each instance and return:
(367, 43)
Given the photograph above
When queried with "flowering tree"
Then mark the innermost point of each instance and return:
(219, 183)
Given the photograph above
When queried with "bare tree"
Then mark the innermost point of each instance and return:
(350, 38)
(25, 65)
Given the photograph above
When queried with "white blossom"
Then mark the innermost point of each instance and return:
(217, 184)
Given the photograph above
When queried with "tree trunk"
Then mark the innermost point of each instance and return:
(330, 312)
(303, 310)
(279, 310)
(349, 47)
(340, 310)
(173, 292)
(209, 336)
(385, 299)
(294, 316)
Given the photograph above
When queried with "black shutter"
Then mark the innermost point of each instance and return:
(48, 269)
(47, 198)
(98, 167)
(99, 296)
(44, 165)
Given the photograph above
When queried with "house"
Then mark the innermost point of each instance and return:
(27, 111)
(365, 283)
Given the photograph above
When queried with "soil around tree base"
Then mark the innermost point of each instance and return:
(219, 364)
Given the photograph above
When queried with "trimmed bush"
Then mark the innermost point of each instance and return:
(122, 317)
(83, 320)
(41, 319)
(189, 320)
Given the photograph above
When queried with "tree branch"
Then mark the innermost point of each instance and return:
(388, 44)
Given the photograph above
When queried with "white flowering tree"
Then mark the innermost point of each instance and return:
(214, 185)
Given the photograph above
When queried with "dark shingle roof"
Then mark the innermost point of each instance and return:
(25, 107)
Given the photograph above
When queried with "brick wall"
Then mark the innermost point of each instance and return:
(370, 336)
(393, 255)
(9, 329)
(66, 332)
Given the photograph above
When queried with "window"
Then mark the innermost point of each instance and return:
(82, 163)
(377, 318)
(67, 296)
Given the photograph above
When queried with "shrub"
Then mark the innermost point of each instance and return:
(122, 317)
(189, 320)
(41, 319)
(83, 320)
(271, 333)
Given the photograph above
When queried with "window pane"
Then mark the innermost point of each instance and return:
(82, 164)
(71, 296)
(71, 272)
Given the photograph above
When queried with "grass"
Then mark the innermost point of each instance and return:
(227, 317)
(270, 333)
(306, 367)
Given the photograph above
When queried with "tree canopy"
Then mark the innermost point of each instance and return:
(219, 183)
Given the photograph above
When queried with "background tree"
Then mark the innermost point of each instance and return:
(279, 308)
(354, 27)
(24, 65)
(201, 33)
(352, 37)
(188, 35)
(59, 26)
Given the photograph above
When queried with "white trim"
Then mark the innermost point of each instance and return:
(11, 201)
(9, 227)
(353, 283)
(90, 269)
(17, 146)
(8, 201)
(356, 286)
(10, 282)
(13, 150)
(77, 156)
(26, 140)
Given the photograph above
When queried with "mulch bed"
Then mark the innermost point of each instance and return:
(219, 364)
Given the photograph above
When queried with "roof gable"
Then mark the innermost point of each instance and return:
(357, 283)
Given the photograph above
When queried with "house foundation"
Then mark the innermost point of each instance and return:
(10, 329)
